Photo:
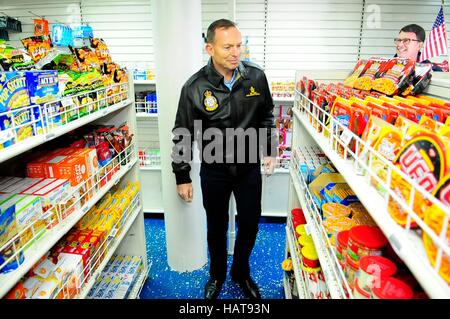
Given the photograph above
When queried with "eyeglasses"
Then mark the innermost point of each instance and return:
(405, 41)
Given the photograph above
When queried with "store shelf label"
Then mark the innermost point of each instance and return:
(49, 136)
(67, 102)
(346, 136)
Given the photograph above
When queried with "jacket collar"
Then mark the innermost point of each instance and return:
(216, 78)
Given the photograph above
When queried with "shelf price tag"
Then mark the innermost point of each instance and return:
(346, 136)
(67, 102)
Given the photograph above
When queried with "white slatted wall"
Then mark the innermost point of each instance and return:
(213, 10)
(383, 19)
(126, 27)
(320, 34)
(250, 17)
(63, 11)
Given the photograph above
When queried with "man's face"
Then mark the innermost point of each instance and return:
(226, 48)
(408, 49)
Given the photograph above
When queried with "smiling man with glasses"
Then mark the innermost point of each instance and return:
(409, 43)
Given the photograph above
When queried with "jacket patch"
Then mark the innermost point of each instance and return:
(252, 92)
(210, 101)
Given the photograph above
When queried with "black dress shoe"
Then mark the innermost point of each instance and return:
(249, 287)
(212, 288)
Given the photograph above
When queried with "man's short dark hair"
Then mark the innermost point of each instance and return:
(218, 24)
(417, 29)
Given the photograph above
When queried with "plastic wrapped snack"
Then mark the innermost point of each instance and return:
(366, 78)
(395, 77)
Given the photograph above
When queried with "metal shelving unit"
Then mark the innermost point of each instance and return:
(406, 242)
(124, 169)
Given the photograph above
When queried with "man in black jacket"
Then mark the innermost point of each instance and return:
(227, 106)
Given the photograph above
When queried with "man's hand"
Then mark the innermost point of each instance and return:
(269, 165)
(185, 192)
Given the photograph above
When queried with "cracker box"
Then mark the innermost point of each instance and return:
(44, 182)
(102, 287)
(10, 182)
(72, 168)
(48, 289)
(28, 210)
(31, 285)
(42, 86)
(51, 166)
(8, 229)
(114, 285)
(21, 185)
(53, 196)
(36, 168)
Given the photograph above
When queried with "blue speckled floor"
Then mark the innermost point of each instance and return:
(265, 260)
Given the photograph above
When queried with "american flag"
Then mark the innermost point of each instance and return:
(436, 43)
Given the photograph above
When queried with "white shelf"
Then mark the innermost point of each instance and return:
(327, 262)
(85, 290)
(34, 141)
(51, 237)
(146, 115)
(280, 99)
(301, 285)
(407, 244)
(147, 82)
(273, 214)
(150, 168)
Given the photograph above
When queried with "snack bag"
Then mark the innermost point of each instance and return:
(421, 79)
(37, 47)
(388, 145)
(434, 217)
(101, 50)
(395, 77)
(87, 59)
(425, 160)
(12, 59)
(41, 27)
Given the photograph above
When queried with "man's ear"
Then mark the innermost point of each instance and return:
(420, 45)
(209, 49)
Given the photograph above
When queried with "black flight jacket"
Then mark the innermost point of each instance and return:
(205, 97)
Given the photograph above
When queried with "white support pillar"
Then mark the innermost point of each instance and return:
(178, 55)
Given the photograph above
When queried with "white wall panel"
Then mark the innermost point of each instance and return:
(126, 27)
(320, 34)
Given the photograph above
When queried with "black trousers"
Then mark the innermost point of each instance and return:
(217, 182)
